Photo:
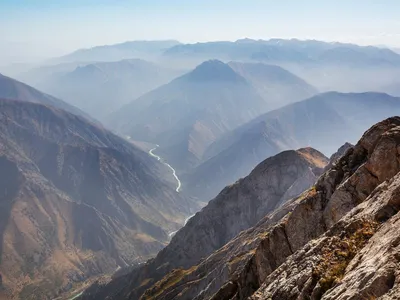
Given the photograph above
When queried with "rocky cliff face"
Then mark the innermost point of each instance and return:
(357, 257)
(337, 240)
(75, 201)
(236, 208)
(310, 248)
(338, 154)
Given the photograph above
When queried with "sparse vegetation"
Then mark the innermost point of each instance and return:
(146, 281)
(240, 257)
(168, 281)
(311, 192)
(337, 256)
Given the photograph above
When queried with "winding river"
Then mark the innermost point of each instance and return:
(176, 177)
(179, 184)
(168, 165)
(187, 220)
(76, 296)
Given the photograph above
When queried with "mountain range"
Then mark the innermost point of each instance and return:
(336, 240)
(281, 50)
(103, 87)
(76, 201)
(327, 66)
(323, 122)
(237, 207)
(116, 52)
(189, 113)
(195, 191)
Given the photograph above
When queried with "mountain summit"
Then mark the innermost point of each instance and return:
(212, 71)
(186, 115)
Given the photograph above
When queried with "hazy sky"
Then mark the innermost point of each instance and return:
(42, 28)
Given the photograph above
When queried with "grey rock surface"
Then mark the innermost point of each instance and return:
(238, 207)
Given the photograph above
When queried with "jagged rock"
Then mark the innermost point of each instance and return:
(236, 208)
(377, 149)
(338, 154)
(356, 259)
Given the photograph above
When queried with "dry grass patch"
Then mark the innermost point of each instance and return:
(337, 256)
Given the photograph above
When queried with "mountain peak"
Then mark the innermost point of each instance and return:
(246, 40)
(214, 70)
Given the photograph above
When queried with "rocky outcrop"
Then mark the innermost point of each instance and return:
(238, 207)
(357, 258)
(337, 240)
(312, 247)
(338, 154)
(76, 201)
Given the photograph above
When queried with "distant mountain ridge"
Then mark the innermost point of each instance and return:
(275, 84)
(323, 121)
(293, 50)
(115, 52)
(13, 89)
(328, 66)
(103, 87)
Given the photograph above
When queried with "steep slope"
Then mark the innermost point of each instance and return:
(103, 87)
(188, 114)
(13, 89)
(338, 154)
(338, 240)
(76, 201)
(323, 122)
(276, 85)
(236, 208)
